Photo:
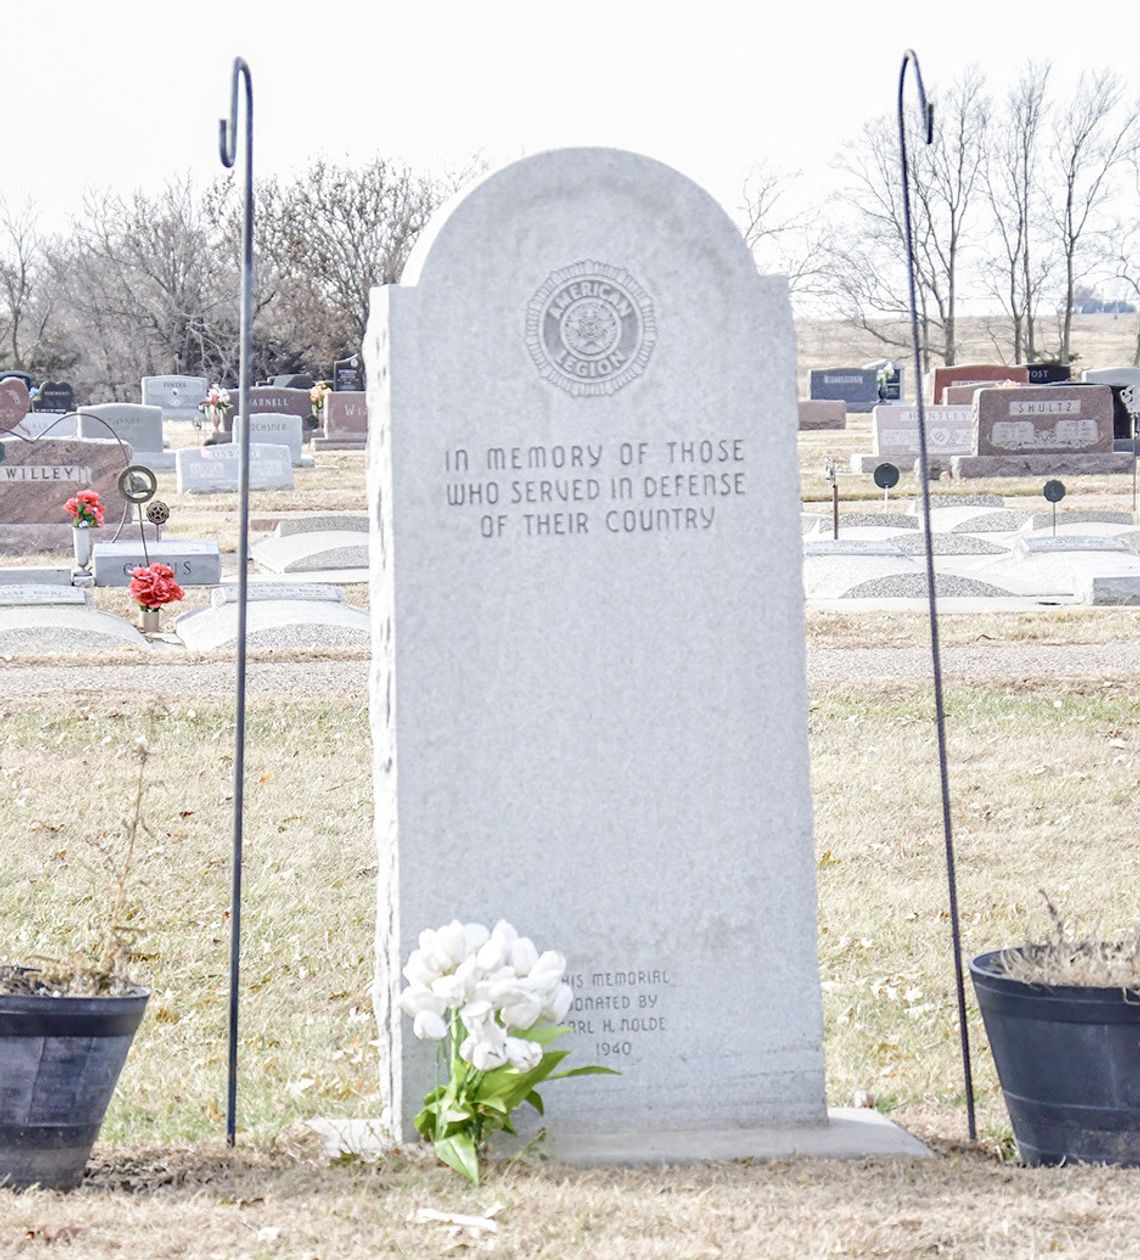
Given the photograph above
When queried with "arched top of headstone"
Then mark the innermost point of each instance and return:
(590, 193)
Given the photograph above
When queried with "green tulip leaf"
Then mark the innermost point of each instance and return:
(458, 1152)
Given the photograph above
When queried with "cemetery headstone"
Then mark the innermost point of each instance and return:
(140, 427)
(215, 469)
(1047, 373)
(345, 423)
(178, 396)
(894, 435)
(14, 403)
(293, 380)
(348, 375)
(857, 387)
(194, 563)
(276, 400)
(38, 423)
(1042, 429)
(890, 376)
(37, 478)
(963, 395)
(565, 392)
(1125, 385)
(822, 413)
(303, 618)
(277, 429)
(56, 396)
(975, 374)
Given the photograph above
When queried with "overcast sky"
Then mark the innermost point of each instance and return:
(127, 94)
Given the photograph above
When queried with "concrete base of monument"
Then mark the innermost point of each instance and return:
(906, 464)
(968, 466)
(849, 1133)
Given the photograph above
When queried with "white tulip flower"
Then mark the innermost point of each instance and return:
(474, 935)
(503, 929)
(475, 1015)
(416, 998)
(419, 970)
(523, 1013)
(451, 989)
(487, 1056)
(548, 970)
(435, 956)
(523, 955)
(493, 953)
(429, 1026)
(558, 1006)
(524, 1055)
(452, 940)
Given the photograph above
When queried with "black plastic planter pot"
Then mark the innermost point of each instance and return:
(59, 1061)
(1068, 1059)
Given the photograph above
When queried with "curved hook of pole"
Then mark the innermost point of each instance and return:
(227, 146)
(927, 112)
(227, 130)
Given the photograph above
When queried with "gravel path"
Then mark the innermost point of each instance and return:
(994, 661)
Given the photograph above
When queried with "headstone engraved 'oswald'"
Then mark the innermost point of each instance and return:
(975, 374)
(216, 469)
(857, 387)
(586, 597)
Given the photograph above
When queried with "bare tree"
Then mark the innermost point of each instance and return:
(1018, 263)
(29, 331)
(150, 287)
(784, 240)
(1093, 139)
(867, 259)
(333, 234)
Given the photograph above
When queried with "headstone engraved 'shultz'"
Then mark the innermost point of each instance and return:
(588, 690)
(1049, 430)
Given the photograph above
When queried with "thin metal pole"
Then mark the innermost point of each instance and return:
(935, 649)
(227, 138)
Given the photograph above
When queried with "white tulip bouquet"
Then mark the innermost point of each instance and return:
(494, 1003)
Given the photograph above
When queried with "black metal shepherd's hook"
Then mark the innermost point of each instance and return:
(227, 141)
(910, 57)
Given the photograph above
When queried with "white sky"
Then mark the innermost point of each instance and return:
(126, 94)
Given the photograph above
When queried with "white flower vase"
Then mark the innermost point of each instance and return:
(82, 542)
(150, 620)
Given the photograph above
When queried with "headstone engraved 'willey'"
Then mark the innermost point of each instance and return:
(975, 374)
(37, 478)
(588, 695)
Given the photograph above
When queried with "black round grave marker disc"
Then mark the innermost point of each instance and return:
(886, 476)
(157, 512)
(1054, 491)
(137, 483)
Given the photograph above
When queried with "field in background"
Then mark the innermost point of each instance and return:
(1098, 341)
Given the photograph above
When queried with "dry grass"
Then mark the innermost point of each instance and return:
(1098, 341)
(827, 629)
(206, 1203)
(1031, 766)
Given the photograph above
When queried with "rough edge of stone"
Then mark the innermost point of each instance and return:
(850, 1133)
(1104, 591)
(964, 467)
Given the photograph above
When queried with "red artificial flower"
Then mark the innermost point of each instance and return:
(85, 509)
(154, 586)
